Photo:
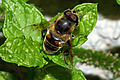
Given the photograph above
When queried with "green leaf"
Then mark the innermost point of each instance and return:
(19, 15)
(77, 75)
(88, 18)
(22, 51)
(1, 16)
(7, 76)
(118, 1)
(34, 32)
(1, 25)
(26, 0)
(58, 59)
(23, 40)
(55, 72)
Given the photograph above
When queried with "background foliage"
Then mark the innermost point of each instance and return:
(118, 1)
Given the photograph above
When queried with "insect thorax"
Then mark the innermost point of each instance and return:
(63, 25)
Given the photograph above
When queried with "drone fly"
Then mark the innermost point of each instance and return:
(60, 32)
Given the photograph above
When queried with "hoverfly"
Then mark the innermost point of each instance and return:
(60, 32)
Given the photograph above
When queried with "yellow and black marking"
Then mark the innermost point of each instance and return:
(51, 43)
(53, 40)
(49, 47)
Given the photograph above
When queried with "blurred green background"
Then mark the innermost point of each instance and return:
(108, 8)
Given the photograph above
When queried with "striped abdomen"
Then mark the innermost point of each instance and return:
(52, 43)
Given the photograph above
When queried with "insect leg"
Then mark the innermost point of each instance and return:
(76, 12)
(64, 57)
(44, 30)
(69, 51)
(73, 36)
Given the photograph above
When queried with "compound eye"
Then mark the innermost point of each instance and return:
(67, 13)
(73, 17)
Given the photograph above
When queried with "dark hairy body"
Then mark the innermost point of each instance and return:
(60, 32)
